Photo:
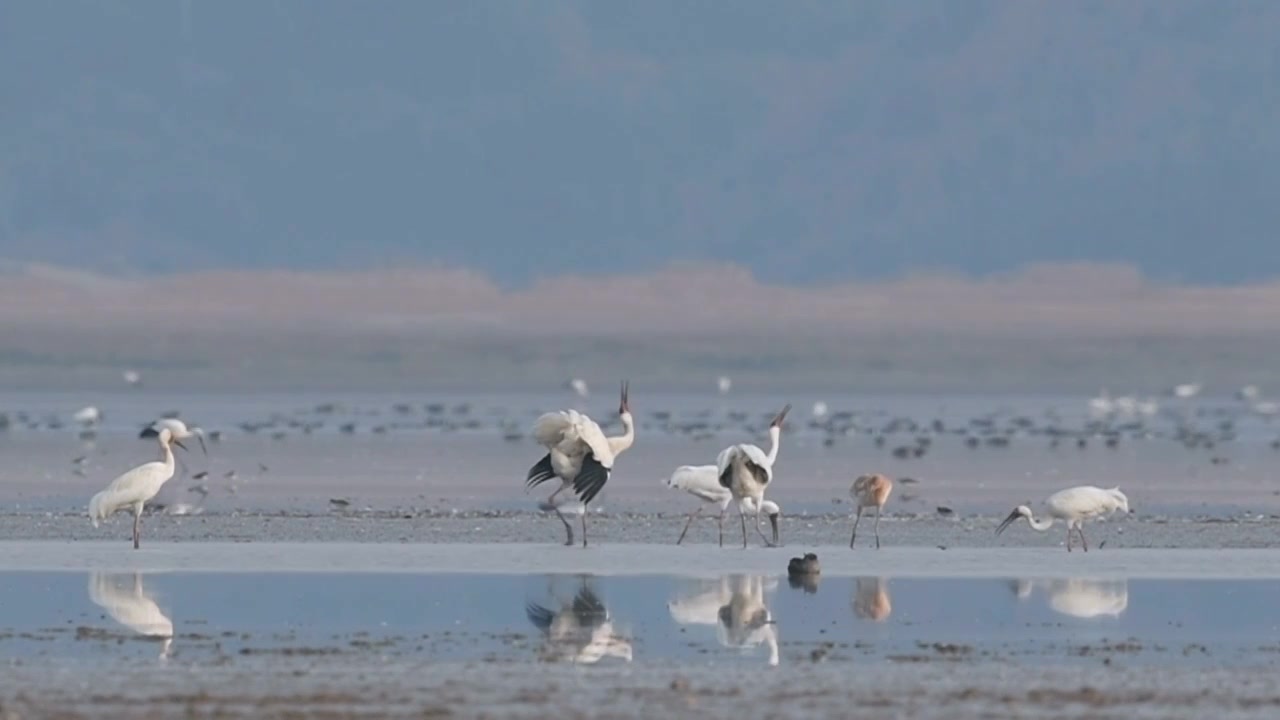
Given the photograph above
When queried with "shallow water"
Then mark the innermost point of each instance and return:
(219, 618)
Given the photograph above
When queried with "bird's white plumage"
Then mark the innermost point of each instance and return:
(570, 435)
(1073, 505)
(132, 489)
(703, 482)
(1085, 502)
(751, 453)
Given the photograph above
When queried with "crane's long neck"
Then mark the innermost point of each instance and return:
(775, 434)
(1042, 524)
(167, 457)
(622, 442)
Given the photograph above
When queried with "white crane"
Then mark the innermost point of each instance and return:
(88, 416)
(581, 631)
(580, 455)
(125, 600)
(133, 489)
(745, 470)
(870, 491)
(724, 383)
(1073, 505)
(703, 482)
(178, 429)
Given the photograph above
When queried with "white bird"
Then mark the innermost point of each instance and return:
(745, 621)
(1101, 405)
(1080, 597)
(870, 491)
(581, 631)
(125, 600)
(132, 377)
(579, 386)
(133, 489)
(703, 482)
(579, 454)
(1074, 506)
(745, 470)
(1186, 390)
(89, 415)
(1249, 393)
(820, 409)
(179, 430)
(724, 383)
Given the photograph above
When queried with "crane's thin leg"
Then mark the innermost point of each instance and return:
(854, 536)
(722, 514)
(1083, 542)
(743, 517)
(877, 527)
(137, 518)
(1069, 537)
(767, 541)
(584, 526)
(689, 522)
(568, 529)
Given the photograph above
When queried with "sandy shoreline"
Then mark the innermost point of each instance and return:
(633, 559)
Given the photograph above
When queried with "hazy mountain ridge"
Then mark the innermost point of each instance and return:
(1081, 300)
(527, 140)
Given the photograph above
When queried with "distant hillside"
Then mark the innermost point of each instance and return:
(1074, 328)
(807, 141)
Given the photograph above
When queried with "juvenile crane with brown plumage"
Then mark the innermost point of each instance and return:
(870, 491)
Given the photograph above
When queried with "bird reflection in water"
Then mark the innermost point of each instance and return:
(735, 605)
(580, 630)
(123, 597)
(871, 599)
(1079, 597)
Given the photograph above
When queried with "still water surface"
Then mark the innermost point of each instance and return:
(198, 618)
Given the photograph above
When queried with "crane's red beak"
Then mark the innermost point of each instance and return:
(777, 419)
(624, 406)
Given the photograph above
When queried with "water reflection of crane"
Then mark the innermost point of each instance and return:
(128, 603)
(580, 630)
(871, 599)
(735, 605)
(1079, 597)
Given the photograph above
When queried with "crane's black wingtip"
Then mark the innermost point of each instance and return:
(540, 472)
(591, 479)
